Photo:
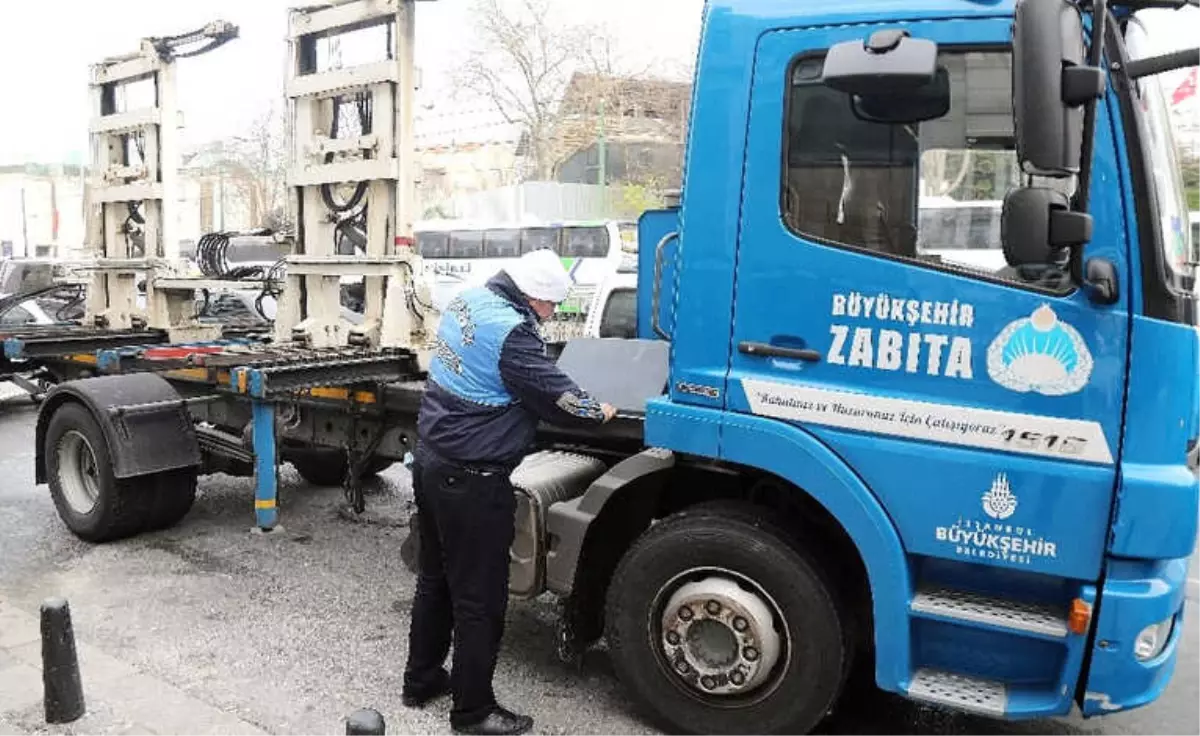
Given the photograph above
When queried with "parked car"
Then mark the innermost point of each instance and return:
(613, 312)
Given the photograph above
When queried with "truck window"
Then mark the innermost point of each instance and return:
(502, 243)
(539, 238)
(433, 245)
(585, 242)
(930, 192)
(620, 314)
(1166, 185)
(465, 244)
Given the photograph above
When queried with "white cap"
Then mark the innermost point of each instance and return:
(540, 274)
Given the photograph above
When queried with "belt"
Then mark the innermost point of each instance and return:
(472, 467)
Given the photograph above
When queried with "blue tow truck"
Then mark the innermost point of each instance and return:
(845, 444)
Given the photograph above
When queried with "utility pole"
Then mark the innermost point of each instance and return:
(602, 152)
(24, 224)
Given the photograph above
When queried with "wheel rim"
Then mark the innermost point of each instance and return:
(78, 472)
(720, 637)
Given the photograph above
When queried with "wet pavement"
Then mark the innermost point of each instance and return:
(289, 633)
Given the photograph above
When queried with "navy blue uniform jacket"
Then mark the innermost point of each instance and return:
(490, 380)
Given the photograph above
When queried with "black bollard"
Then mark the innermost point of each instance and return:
(365, 721)
(63, 692)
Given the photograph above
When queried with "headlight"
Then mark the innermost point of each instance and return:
(1153, 639)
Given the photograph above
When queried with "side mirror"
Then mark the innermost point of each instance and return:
(926, 102)
(890, 62)
(1050, 86)
(1037, 225)
(1102, 281)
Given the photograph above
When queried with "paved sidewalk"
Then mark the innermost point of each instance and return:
(120, 699)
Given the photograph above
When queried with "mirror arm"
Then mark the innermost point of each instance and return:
(1096, 58)
(1162, 63)
(1071, 230)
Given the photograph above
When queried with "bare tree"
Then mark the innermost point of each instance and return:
(254, 166)
(263, 152)
(522, 63)
(567, 87)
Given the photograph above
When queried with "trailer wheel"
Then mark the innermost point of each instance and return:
(95, 506)
(717, 623)
(328, 467)
(173, 492)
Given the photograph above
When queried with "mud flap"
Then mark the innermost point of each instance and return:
(146, 424)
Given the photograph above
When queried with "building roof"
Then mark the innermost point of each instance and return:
(582, 89)
(452, 126)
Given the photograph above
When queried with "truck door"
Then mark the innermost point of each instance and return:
(981, 401)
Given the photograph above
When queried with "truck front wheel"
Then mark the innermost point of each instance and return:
(717, 623)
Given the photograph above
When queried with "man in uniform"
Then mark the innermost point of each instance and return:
(489, 383)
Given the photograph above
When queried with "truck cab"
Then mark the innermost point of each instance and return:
(915, 382)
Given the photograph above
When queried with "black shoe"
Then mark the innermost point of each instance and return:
(499, 722)
(424, 697)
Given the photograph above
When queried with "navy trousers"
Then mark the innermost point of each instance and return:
(465, 527)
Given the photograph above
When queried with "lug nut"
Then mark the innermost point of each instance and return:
(713, 608)
(685, 613)
(750, 653)
(740, 624)
(682, 667)
(737, 678)
(707, 682)
(673, 638)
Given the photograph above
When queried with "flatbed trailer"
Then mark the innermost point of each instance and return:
(348, 405)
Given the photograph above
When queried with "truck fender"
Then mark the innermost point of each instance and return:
(156, 435)
(568, 521)
(796, 455)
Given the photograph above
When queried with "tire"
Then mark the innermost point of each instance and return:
(699, 557)
(94, 505)
(173, 494)
(328, 467)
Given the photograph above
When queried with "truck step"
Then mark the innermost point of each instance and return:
(962, 692)
(958, 605)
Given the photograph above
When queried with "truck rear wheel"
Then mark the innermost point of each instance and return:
(717, 623)
(173, 492)
(95, 506)
(328, 467)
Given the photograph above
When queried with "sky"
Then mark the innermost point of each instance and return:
(222, 91)
(46, 49)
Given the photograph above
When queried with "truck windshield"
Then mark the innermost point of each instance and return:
(1166, 185)
(930, 192)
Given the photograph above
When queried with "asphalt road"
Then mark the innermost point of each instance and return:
(293, 631)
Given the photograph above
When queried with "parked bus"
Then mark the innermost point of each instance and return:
(459, 254)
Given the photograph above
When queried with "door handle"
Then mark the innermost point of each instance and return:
(775, 351)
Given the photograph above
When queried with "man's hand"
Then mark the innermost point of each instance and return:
(609, 410)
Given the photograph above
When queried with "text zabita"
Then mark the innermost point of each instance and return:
(891, 350)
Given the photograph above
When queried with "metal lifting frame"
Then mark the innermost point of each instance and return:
(397, 311)
(125, 192)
